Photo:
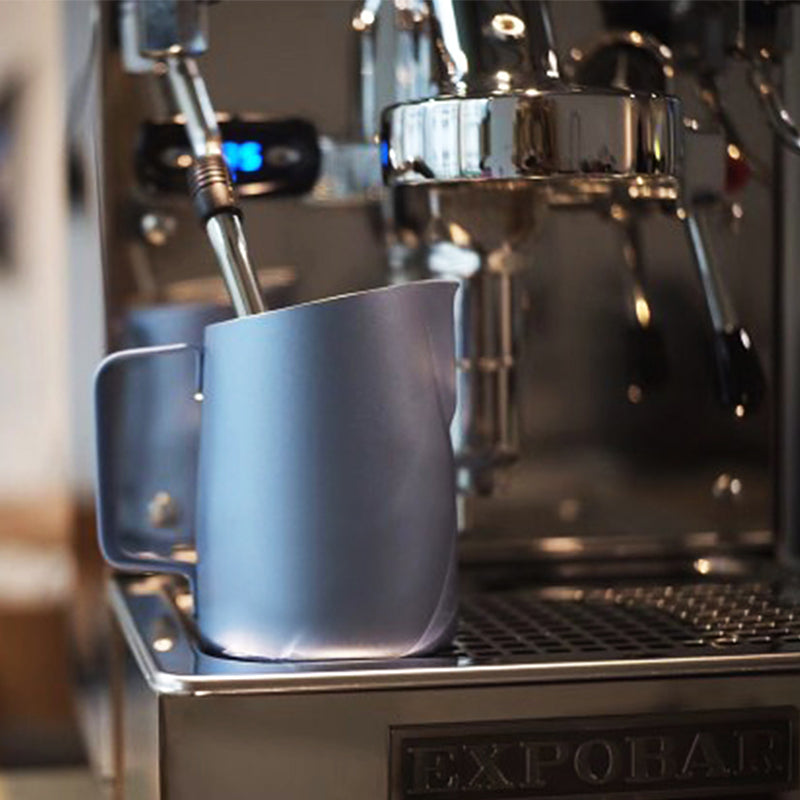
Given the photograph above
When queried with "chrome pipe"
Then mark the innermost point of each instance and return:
(213, 194)
(778, 116)
(228, 241)
(718, 304)
(192, 99)
(364, 23)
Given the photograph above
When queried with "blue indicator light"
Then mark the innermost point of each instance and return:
(243, 156)
(385, 154)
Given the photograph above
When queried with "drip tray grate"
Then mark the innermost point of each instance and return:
(563, 624)
(527, 634)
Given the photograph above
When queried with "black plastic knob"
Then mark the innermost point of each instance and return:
(740, 378)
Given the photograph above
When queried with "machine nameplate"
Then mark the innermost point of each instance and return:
(713, 753)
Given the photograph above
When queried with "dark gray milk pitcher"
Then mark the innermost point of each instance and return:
(325, 505)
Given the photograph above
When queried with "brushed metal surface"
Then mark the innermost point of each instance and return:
(326, 519)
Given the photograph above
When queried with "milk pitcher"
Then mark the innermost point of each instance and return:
(325, 521)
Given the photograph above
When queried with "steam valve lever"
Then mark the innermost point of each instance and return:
(739, 373)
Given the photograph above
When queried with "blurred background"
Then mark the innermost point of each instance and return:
(45, 313)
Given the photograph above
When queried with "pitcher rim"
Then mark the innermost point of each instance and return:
(336, 298)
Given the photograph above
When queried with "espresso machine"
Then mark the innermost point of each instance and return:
(612, 184)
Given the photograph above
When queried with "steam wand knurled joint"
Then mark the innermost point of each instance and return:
(214, 199)
(211, 187)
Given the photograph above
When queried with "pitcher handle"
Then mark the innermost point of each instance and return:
(108, 524)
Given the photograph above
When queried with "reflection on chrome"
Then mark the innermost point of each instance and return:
(163, 644)
(473, 167)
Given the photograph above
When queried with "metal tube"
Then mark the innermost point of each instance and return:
(191, 96)
(230, 247)
(778, 115)
(364, 24)
(224, 227)
(719, 307)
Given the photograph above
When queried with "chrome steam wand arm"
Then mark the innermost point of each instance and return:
(171, 32)
(211, 186)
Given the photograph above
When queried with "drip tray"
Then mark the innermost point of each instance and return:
(564, 624)
(544, 634)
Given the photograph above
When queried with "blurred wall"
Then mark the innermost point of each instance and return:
(33, 369)
(85, 324)
(36, 709)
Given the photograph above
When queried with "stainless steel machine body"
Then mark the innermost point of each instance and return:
(593, 461)
(594, 482)
(546, 694)
(472, 168)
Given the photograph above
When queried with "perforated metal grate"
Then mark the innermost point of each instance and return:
(557, 625)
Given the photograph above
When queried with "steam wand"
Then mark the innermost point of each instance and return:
(171, 32)
(211, 186)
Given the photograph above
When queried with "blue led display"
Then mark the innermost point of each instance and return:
(243, 156)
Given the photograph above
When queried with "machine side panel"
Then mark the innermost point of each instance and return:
(137, 716)
(303, 746)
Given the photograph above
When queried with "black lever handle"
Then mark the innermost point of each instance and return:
(740, 378)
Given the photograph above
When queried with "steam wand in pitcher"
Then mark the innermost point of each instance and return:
(171, 32)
